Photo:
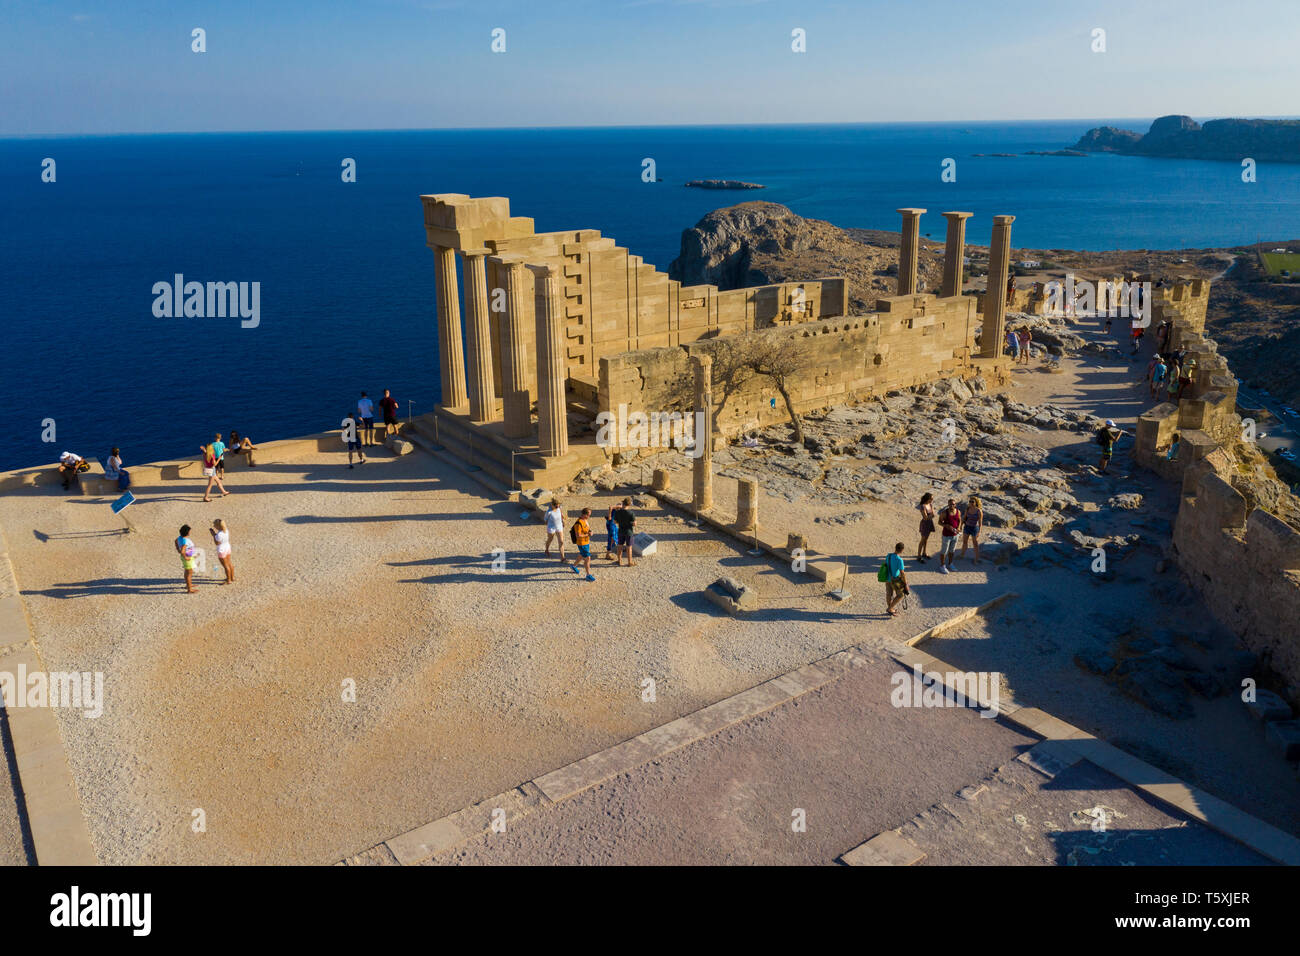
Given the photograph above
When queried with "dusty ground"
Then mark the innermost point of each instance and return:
(230, 700)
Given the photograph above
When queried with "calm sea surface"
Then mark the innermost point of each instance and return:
(347, 283)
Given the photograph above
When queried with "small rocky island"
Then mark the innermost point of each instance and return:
(1181, 137)
(723, 184)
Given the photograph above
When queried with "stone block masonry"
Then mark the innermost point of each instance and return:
(909, 340)
(1244, 560)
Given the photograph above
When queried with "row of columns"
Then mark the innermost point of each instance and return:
(531, 308)
(954, 254)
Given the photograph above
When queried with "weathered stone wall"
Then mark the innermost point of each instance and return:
(1244, 560)
(1245, 563)
(909, 340)
(614, 302)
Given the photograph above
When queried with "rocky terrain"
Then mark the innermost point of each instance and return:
(757, 243)
(1182, 137)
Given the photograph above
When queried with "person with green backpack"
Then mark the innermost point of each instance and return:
(894, 577)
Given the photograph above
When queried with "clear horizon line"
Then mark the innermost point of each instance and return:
(612, 126)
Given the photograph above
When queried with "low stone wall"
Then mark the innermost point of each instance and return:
(150, 473)
(908, 340)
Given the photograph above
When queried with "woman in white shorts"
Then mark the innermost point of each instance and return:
(221, 535)
(555, 528)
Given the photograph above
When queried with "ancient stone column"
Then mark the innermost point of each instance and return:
(552, 420)
(908, 250)
(747, 504)
(702, 486)
(482, 391)
(995, 299)
(451, 352)
(516, 325)
(954, 252)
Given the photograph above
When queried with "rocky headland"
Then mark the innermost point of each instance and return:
(1181, 137)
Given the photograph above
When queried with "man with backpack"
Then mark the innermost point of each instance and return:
(580, 534)
(894, 575)
(1107, 435)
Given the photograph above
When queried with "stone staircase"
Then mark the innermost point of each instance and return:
(504, 466)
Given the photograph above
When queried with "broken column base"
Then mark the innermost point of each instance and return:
(732, 596)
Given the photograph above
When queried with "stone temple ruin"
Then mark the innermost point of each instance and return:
(562, 326)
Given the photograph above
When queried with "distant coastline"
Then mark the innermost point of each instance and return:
(1181, 137)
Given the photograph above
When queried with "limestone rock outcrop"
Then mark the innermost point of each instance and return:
(753, 243)
(1183, 138)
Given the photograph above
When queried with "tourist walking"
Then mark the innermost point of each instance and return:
(1171, 378)
(388, 405)
(210, 472)
(1025, 338)
(926, 507)
(626, 522)
(1152, 366)
(114, 471)
(973, 521)
(581, 536)
(219, 449)
(1013, 345)
(366, 412)
(1107, 435)
(611, 532)
(895, 579)
(352, 438)
(1185, 377)
(189, 557)
(242, 446)
(221, 537)
(949, 522)
(554, 527)
(70, 468)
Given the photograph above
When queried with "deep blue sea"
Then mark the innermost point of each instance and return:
(347, 287)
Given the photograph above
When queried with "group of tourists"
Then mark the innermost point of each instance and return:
(620, 529)
(951, 522)
(214, 460)
(1169, 375)
(190, 554)
(1018, 344)
(359, 424)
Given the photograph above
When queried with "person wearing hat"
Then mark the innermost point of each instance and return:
(1107, 435)
(1185, 377)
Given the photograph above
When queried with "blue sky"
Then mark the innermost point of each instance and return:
(127, 66)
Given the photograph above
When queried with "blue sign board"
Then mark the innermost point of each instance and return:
(122, 502)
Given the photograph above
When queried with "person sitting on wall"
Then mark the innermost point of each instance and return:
(70, 466)
(241, 446)
(114, 471)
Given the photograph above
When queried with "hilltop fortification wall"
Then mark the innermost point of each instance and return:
(1237, 532)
